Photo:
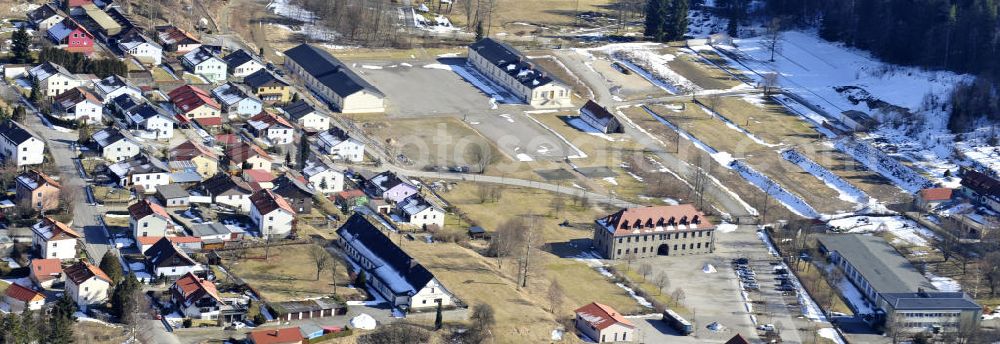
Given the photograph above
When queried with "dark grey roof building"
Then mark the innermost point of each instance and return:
(333, 80)
(901, 297)
(507, 67)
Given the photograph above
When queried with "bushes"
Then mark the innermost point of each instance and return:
(79, 63)
(346, 332)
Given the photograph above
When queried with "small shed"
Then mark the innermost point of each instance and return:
(476, 232)
(310, 331)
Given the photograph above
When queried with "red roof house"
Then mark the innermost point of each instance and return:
(19, 298)
(603, 324)
(932, 197)
(289, 335)
(44, 272)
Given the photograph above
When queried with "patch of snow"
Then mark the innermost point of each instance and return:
(903, 229)
(944, 283)
(641, 300)
(831, 334)
(611, 180)
(847, 191)
(709, 269)
(580, 125)
(726, 227)
(524, 157)
(371, 67)
(670, 201)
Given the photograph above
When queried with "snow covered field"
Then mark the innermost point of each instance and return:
(905, 230)
(847, 191)
(285, 9)
(836, 78)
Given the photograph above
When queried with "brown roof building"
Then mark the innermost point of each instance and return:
(603, 324)
(36, 190)
(650, 231)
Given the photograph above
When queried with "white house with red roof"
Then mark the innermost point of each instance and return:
(643, 232)
(272, 214)
(196, 297)
(87, 284)
(272, 128)
(603, 324)
(20, 298)
(930, 198)
(54, 239)
(149, 219)
(45, 272)
(195, 104)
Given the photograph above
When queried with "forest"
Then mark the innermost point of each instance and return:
(956, 35)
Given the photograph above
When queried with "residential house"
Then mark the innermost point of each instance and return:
(271, 214)
(196, 298)
(339, 145)
(195, 104)
(214, 233)
(114, 86)
(144, 172)
(106, 26)
(306, 116)
(202, 61)
(350, 198)
(333, 81)
(114, 146)
(323, 178)
(259, 179)
(45, 273)
(52, 79)
(20, 146)
(164, 258)
(507, 67)
(387, 185)
(149, 219)
(931, 198)
(71, 36)
(78, 104)
(203, 160)
(87, 284)
(603, 324)
(417, 211)
(36, 190)
(150, 122)
(391, 272)
(642, 232)
(45, 17)
(245, 155)
(173, 196)
(236, 99)
(142, 48)
(288, 335)
(224, 189)
(20, 298)
(175, 39)
(271, 128)
(293, 187)
(981, 188)
(904, 300)
(600, 118)
(54, 239)
(242, 63)
(269, 87)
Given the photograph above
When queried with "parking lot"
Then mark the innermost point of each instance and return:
(432, 88)
(718, 293)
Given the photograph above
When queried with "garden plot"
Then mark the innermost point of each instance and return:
(836, 78)
(761, 165)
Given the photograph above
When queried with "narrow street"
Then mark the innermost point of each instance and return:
(58, 144)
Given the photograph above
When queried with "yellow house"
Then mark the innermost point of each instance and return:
(269, 87)
(204, 161)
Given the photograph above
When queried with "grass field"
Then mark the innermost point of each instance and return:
(765, 159)
(106, 194)
(704, 75)
(508, 13)
(288, 274)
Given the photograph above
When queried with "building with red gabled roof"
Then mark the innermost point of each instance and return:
(21, 298)
(87, 284)
(45, 272)
(54, 239)
(930, 198)
(272, 214)
(288, 335)
(196, 104)
(196, 297)
(243, 154)
(148, 218)
(36, 190)
(176, 39)
(654, 231)
(204, 160)
(272, 128)
(603, 324)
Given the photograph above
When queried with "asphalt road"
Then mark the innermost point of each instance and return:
(84, 214)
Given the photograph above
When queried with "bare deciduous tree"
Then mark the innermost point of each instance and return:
(555, 295)
(645, 269)
(678, 296)
(769, 82)
(320, 258)
(662, 282)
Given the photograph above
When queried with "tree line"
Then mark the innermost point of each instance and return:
(956, 35)
(80, 63)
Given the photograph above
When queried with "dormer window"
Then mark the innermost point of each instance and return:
(671, 221)
(696, 219)
(638, 223)
(684, 220)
